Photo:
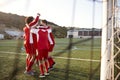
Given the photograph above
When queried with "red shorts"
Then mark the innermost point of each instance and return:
(42, 54)
(30, 49)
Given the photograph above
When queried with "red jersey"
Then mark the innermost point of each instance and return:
(30, 38)
(51, 46)
(27, 37)
(43, 37)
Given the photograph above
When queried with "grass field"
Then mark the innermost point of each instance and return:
(73, 64)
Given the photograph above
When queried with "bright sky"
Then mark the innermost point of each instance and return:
(57, 11)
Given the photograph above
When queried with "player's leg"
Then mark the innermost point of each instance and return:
(46, 63)
(32, 55)
(27, 60)
(51, 61)
(36, 59)
(27, 55)
(31, 51)
(40, 60)
(31, 63)
(28, 69)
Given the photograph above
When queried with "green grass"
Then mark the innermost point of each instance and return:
(63, 70)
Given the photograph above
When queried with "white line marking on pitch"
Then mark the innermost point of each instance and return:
(77, 59)
(58, 57)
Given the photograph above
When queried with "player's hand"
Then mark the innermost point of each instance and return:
(38, 14)
(51, 48)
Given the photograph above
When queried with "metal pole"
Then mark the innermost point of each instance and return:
(112, 42)
(104, 50)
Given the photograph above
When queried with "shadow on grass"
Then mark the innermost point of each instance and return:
(55, 74)
(59, 74)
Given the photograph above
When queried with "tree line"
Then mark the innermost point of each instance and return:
(13, 20)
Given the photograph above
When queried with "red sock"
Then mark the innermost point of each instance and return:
(27, 61)
(46, 66)
(51, 61)
(41, 69)
(30, 65)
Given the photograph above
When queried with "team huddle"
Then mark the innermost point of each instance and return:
(38, 42)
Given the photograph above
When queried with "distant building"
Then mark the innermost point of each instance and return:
(84, 33)
(14, 33)
(1, 36)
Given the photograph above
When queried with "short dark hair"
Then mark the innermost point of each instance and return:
(44, 21)
(29, 19)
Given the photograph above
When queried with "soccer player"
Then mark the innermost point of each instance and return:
(43, 41)
(51, 46)
(30, 42)
(51, 62)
